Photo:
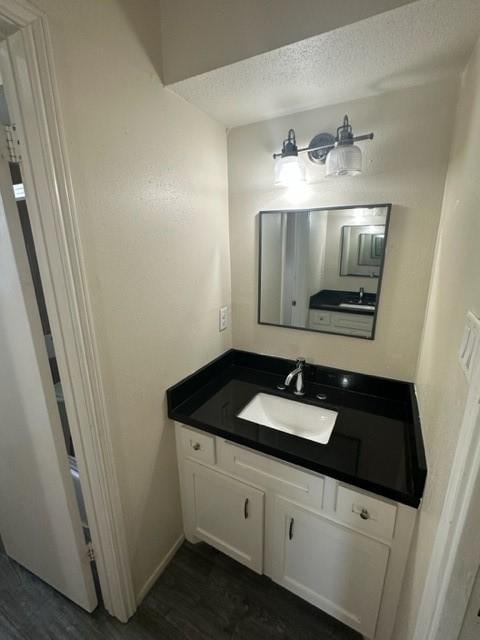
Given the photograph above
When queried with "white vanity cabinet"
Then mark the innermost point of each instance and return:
(356, 324)
(340, 548)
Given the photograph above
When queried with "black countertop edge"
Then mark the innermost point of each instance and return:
(401, 393)
(418, 457)
(331, 307)
(405, 498)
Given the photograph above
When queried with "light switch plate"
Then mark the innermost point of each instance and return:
(469, 347)
(223, 318)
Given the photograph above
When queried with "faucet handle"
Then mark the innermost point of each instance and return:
(300, 362)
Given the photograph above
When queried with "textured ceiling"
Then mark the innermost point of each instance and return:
(408, 46)
(197, 37)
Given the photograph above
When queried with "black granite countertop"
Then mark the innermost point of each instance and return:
(376, 444)
(331, 299)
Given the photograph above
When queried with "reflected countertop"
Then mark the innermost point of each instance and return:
(376, 443)
(331, 300)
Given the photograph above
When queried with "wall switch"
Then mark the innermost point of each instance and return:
(469, 348)
(223, 319)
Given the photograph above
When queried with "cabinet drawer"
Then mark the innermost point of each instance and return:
(352, 320)
(196, 445)
(265, 472)
(317, 317)
(366, 513)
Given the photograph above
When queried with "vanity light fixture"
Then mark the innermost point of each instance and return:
(288, 169)
(345, 159)
(340, 154)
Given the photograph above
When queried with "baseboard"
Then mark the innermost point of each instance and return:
(159, 569)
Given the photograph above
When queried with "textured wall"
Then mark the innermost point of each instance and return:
(454, 290)
(405, 164)
(150, 181)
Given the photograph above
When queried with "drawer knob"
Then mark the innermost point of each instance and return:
(196, 446)
(364, 515)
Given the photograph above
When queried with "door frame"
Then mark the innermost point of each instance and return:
(26, 59)
(456, 551)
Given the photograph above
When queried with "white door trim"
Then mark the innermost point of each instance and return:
(456, 552)
(29, 79)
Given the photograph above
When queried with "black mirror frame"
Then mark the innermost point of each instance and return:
(385, 205)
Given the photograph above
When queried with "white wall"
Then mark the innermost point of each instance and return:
(150, 181)
(455, 288)
(405, 164)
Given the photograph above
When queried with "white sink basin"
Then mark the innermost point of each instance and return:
(302, 420)
(361, 307)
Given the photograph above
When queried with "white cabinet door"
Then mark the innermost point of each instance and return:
(338, 570)
(227, 514)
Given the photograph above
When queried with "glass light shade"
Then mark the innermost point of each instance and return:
(289, 171)
(344, 160)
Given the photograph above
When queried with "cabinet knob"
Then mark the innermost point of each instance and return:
(196, 446)
(364, 515)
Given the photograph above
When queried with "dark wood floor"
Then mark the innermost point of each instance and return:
(202, 595)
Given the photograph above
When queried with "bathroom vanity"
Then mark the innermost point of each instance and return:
(331, 522)
(342, 311)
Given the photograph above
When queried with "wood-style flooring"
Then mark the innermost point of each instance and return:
(202, 595)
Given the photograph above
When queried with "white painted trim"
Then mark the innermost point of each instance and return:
(30, 86)
(440, 615)
(19, 13)
(160, 569)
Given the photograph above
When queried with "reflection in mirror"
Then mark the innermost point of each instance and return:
(362, 250)
(320, 269)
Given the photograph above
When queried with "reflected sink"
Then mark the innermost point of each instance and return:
(302, 420)
(362, 307)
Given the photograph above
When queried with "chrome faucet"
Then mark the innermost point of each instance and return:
(298, 373)
(360, 294)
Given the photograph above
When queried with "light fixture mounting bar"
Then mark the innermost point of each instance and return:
(365, 136)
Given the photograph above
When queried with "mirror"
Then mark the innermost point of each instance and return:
(362, 250)
(321, 269)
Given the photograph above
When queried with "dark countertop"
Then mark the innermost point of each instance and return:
(331, 299)
(376, 444)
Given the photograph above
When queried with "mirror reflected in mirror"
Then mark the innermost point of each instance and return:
(362, 250)
(320, 269)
